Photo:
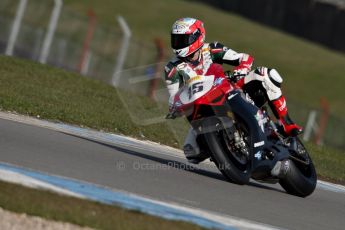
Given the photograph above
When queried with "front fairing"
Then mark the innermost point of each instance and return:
(201, 90)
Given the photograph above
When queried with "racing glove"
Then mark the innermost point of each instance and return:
(236, 75)
(173, 113)
(243, 68)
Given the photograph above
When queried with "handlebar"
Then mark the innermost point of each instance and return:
(233, 78)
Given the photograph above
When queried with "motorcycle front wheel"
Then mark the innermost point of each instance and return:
(232, 167)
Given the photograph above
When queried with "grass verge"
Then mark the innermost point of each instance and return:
(310, 71)
(329, 163)
(34, 202)
(50, 93)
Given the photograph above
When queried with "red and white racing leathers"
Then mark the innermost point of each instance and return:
(262, 84)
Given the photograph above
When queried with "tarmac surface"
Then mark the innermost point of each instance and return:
(166, 178)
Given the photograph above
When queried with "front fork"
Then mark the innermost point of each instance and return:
(249, 114)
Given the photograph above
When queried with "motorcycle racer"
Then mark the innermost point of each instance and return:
(195, 57)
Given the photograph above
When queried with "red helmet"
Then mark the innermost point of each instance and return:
(187, 36)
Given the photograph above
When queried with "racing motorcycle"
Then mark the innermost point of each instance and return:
(242, 139)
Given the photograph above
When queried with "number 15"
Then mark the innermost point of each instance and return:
(195, 88)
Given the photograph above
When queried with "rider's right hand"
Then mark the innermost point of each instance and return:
(171, 115)
(172, 112)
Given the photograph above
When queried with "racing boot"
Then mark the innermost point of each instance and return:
(279, 109)
(193, 155)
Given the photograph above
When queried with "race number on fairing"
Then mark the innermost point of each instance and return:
(195, 88)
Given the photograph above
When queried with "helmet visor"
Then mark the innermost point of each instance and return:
(179, 41)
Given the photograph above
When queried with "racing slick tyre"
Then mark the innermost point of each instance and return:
(299, 181)
(235, 170)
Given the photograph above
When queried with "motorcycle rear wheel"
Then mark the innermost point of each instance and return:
(300, 179)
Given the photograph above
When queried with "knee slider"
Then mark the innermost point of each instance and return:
(275, 77)
(272, 84)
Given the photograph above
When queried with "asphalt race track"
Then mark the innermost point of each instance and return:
(166, 178)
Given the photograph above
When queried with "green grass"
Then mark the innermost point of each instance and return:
(310, 71)
(329, 163)
(34, 89)
(34, 202)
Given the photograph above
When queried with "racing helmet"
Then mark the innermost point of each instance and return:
(187, 36)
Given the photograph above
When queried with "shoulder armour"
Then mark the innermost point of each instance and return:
(171, 68)
(216, 46)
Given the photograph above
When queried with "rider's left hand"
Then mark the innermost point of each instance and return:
(236, 75)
